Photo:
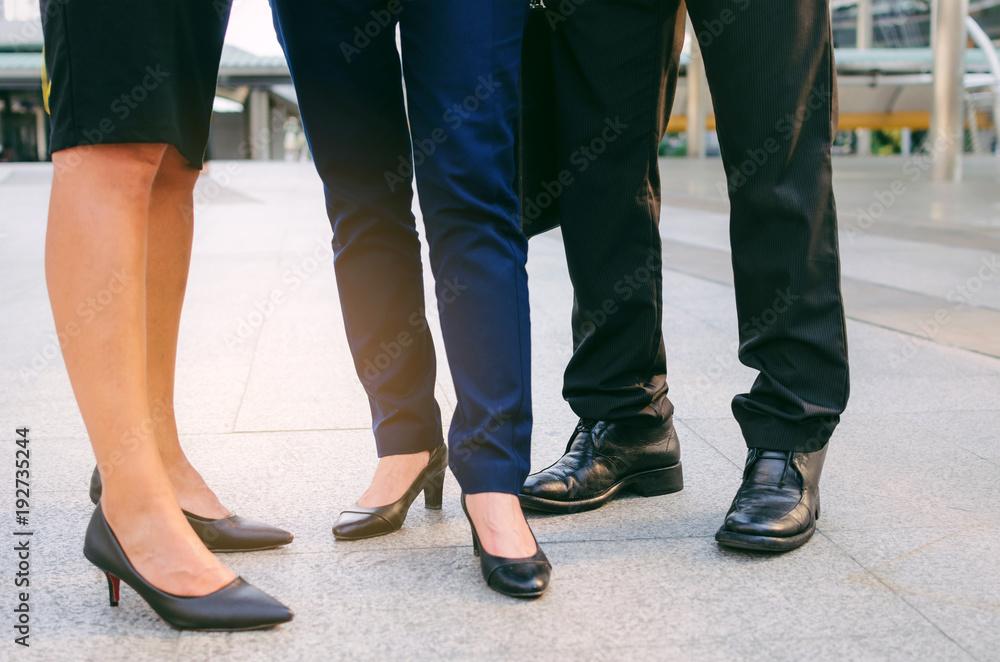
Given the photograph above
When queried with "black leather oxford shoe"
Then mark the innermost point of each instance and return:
(776, 507)
(226, 534)
(604, 459)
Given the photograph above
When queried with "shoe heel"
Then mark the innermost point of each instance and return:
(433, 492)
(475, 544)
(659, 481)
(114, 588)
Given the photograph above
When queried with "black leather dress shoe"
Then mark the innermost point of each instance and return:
(226, 534)
(603, 459)
(776, 507)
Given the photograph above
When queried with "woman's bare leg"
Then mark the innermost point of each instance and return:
(500, 524)
(95, 261)
(168, 257)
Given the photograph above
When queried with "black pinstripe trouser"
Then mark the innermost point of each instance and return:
(770, 69)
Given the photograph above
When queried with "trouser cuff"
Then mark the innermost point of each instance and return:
(769, 433)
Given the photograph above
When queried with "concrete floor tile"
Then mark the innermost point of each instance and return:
(902, 566)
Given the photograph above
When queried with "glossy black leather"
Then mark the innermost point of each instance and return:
(518, 578)
(603, 459)
(227, 534)
(777, 505)
(359, 522)
(236, 606)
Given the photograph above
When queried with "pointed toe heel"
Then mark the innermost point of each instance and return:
(235, 606)
(360, 522)
(223, 535)
(517, 578)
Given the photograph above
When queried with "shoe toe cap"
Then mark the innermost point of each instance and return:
(237, 533)
(544, 486)
(771, 520)
(260, 609)
(521, 579)
(265, 533)
(360, 525)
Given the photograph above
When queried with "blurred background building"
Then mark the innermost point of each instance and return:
(885, 72)
(254, 102)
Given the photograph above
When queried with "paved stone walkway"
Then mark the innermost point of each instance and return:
(904, 565)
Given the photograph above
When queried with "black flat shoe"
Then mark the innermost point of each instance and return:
(236, 606)
(776, 507)
(518, 578)
(227, 534)
(602, 460)
(358, 522)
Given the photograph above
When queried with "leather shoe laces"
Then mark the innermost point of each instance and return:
(585, 425)
(757, 454)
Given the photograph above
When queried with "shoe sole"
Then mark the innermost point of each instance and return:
(655, 482)
(763, 543)
(247, 629)
(248, 549)
(522, 596)
(374, 535)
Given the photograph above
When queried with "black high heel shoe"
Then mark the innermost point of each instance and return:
(226, 534)
(236, 606)
(518, 578)
(358, 522)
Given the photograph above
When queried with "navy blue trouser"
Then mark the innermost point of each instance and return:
(455, 133)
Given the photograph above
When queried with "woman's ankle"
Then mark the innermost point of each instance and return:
(193, 493)
(393, 476)
(501, 525)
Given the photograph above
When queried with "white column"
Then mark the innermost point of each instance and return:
(697, 98)
(259, 107)
(933, 29)
(42, 137)
(946, 134)
(865, 39)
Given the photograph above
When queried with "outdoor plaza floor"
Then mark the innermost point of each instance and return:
(904, 564)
